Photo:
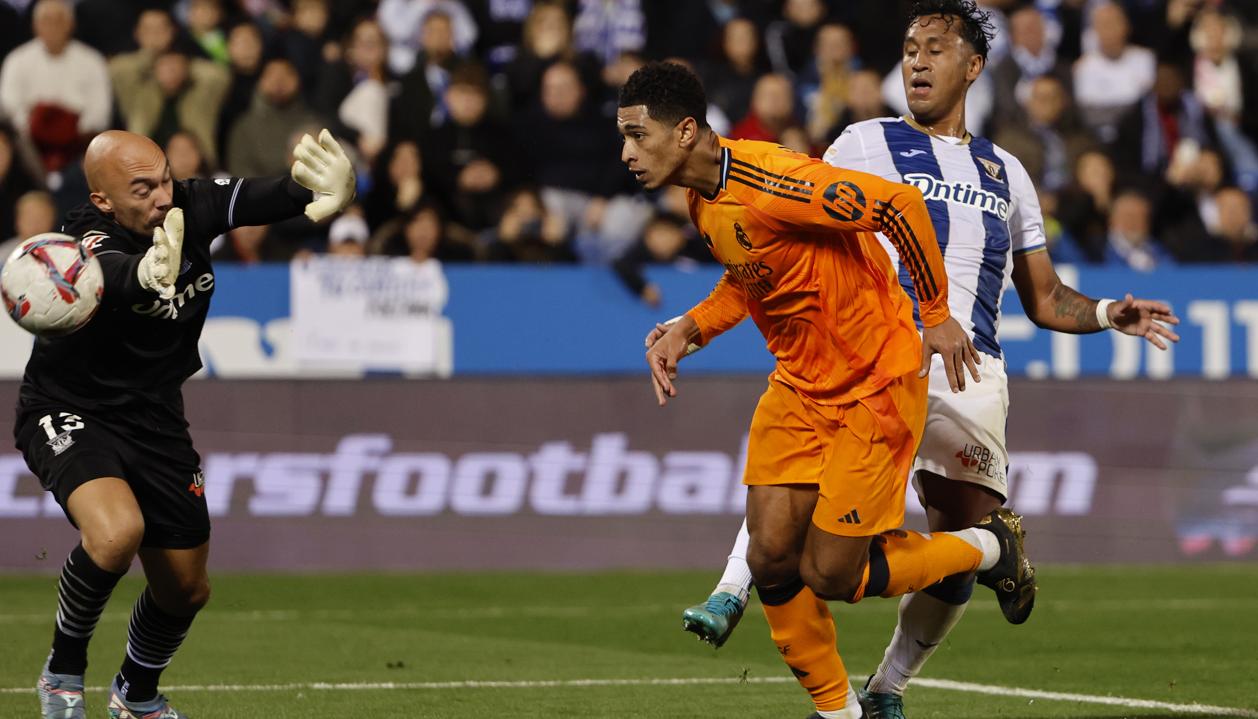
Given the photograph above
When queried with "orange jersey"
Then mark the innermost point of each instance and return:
(796, 238)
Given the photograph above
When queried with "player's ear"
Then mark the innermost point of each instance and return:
(975, 68)
(101, 202)
(687, 133)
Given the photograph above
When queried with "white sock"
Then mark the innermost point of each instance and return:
(984, 541)
(850, 710)
(923, 620)
(737, 577)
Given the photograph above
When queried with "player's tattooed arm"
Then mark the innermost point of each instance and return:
(1070, 305)
(1051, 304)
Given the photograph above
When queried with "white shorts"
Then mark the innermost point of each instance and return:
(965, 432)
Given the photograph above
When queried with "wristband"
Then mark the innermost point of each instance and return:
(1102, 313)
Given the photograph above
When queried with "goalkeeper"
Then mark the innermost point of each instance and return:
(100, 417)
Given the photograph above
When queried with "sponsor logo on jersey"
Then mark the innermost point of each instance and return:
(844, 201)
(169, 309)
(912, 153)
(959, 193)
(754, 276)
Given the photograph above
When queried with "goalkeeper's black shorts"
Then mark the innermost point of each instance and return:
(148, 446)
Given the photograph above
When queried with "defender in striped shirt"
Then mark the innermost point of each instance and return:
(986, 216)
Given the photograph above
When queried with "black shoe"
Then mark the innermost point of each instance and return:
(1013, 577)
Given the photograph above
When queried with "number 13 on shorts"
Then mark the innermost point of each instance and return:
(61, 441)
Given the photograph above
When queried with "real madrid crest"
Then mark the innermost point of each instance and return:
(741, 236)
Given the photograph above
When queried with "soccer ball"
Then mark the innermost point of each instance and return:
(51, 284)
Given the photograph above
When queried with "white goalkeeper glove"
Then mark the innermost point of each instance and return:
(159, 268)
(322, 166)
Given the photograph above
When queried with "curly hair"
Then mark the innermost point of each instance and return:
(670, 92)
(976, 25)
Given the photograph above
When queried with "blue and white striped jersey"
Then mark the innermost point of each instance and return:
(981, 201)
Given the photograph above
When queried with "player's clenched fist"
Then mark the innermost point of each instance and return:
(322, 166)
(159, 268)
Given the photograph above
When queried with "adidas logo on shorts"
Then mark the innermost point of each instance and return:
(850, 518)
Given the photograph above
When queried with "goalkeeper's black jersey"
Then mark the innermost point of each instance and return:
(139, 348)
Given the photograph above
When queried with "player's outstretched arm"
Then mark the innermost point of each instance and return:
(1052, 305)
(321, 184)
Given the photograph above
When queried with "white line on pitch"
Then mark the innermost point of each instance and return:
(493, 612)
(995, 690)
(945, 684)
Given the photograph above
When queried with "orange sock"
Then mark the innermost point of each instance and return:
(901, 562)
(803, 630)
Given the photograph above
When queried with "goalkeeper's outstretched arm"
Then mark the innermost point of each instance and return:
(321, 184)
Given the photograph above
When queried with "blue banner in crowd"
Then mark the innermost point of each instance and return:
(580, 320)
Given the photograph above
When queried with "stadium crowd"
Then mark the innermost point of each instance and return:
(483, 130)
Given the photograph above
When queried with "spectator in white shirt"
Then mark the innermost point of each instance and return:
(1227, 89)
(1114, 76)
(54, 89)
(403, 20)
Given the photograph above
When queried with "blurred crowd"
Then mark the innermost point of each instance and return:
(484, 130)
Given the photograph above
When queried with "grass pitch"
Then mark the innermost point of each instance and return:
(1177, 635)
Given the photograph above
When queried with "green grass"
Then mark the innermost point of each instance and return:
(1181, 634)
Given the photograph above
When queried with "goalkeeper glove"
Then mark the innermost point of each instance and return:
(159, 268)
(321, 166)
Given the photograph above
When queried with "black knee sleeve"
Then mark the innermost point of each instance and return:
(780, 594)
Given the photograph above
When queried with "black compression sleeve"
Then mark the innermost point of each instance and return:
(122, 283)
(264, 200)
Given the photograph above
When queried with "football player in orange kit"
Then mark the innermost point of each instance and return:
(834, 434)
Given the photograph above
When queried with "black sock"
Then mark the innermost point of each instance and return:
(82, 593)
(152, 640)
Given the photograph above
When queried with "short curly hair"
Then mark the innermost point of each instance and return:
(976, 25)
(670, 92)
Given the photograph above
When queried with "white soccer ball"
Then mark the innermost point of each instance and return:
(51, 284)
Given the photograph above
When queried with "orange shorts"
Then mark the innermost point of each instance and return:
(858, 454)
